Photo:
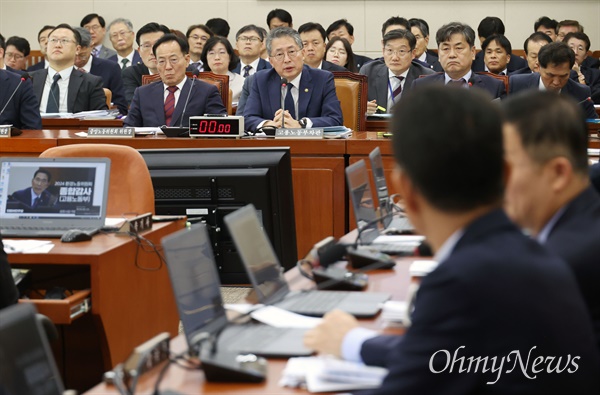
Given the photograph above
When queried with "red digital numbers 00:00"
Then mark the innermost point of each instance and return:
(213, 127)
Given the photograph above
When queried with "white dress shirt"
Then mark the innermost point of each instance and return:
(63, 86)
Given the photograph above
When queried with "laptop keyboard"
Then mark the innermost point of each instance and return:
(314, 302)
(399, 249)
(260, 336)
(401, 224)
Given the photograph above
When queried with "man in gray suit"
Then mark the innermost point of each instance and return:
(387, 80)
(96, 25)
(61, 87)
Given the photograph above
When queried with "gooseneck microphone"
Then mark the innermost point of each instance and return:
(187, 99)
(584, 100)
(24, 78)
(284, 83)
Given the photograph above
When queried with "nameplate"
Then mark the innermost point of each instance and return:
(5, 131)
(299, 133)
(111, 132)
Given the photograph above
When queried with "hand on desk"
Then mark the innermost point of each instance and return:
(328, 336)
(289, 122)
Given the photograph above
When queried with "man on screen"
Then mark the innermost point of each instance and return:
(36, 195)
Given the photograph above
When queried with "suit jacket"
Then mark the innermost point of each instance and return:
(24, 197)
(515, 63)
(106, 52)
(246, 88)
(85, 90)
(147, 107)
(378, 77)
(23, 110)
(110, 73)
(590, 62)
(595, 176)
(524, 70)
(37, 66)
(136, 59)
(592, 79)
(328, 66)
(491, 85)
(489, 301)
(9, 294)
(317, 99)
(360, 61)
(431, 60)
(132, 79)
(262, 65)
(574, 89)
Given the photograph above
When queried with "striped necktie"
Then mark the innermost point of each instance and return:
(170, 105)
(398, 90)
(247, 69)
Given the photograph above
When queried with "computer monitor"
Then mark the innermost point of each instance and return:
(207, 184)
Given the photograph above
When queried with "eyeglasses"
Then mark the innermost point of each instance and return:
(338, 51)
(14, 56)
(163, 62)
(93, 27)
(248, 38)
(399, 52)
(212, 54)
(122, 33)
(147, 46)
(62, 41)
(197, 37)
(292, 53)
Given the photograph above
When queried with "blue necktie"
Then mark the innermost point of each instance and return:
(54, 96)
(247, 69)
(289, 101)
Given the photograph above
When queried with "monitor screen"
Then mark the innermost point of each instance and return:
(207, 184)
(381, 185)
(362, 201)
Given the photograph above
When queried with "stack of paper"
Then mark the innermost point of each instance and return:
(27, 246)
(97, 114)
(393, 312)
(336, 132)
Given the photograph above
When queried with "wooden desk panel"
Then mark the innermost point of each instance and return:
(79, 124)
(30, 143)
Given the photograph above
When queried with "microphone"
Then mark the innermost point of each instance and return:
(470, 82)
(179, 131)
(24, 78)
(584, 100)
(284, 83)
(194, 78)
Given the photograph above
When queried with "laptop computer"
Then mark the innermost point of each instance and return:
(45, 197)
(27, 366)
(266, 274)
(196, 286)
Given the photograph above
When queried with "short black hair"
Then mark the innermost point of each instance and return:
(339, 23)
(400, 33)
(462, 168)
(151, 27)
(183, 44)
(210, 44)
(490, 25)
(68, 27)
(420, 24)
(556, 53)
(199, 26)
(536, 38)
(43, 171)
(90, 17)
(46, 27)
(2, 42)
(251, 28)
(394, 20)
(310, 26)
(448, 30)
(549, 125)
(218, 26)
(280, 14)
(20, 43)
(500, 39)
(579, 36)
(544, 21)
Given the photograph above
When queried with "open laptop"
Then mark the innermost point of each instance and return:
(266, 274)
(45, 197)
(196, 285)
(27, 366)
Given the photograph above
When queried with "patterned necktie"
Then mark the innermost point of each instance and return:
(95, 52)
(36, 201)
(197, 65)
(247, 69)
(54, 96)
(170, 105)
(458, 83)
(124, 62)
(289, 101)
(398, 90)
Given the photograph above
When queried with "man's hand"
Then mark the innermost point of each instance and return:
(371, 107)
(288, 121)
(328, 336)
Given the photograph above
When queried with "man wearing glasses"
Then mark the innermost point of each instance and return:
(175, 98)
(309, 95)
(61, 87)
(96, 25)
(17, 50)
(197, 36)
(248, 42)
(390, 79)
(121, 35)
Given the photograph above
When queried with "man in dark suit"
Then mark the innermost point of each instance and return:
(343, 28)
(37, 194)
(487, 27)
(556, 60)
(60, 87)
(549, 192)
(456, 50)
(532, 46)
(420, 29)
(494, 290)
(121, 35)
(310, 99)
(4, 66)
(23, 110)
(248, 42)
(595, 176)
(43, 41)
(390, 79)
(580, 44)
(145, 38)
(313, 40)
(96, 25)
(175, 98)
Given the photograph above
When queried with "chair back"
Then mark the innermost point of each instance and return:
(35, 56)
(130, 190)
(108, 94)
(351, 90)
(222, 84)
(503, 78)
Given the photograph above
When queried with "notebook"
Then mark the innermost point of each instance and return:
(266, 274)
(27, 366)
(45, 197)
(196, 285)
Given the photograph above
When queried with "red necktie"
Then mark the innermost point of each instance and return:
(170, 105)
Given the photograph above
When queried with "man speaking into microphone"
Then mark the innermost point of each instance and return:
(18, 105)
(175, 98)
(291, 95)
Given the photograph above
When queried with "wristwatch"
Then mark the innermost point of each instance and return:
(303, 122)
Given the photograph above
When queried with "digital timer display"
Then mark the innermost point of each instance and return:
(216, 126)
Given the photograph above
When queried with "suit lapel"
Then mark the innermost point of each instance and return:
(381, 86)
(274, 90)
(39, 80)
(305, 93)
(75, 82)
(180, 103)
(4, 94)
(156, 101)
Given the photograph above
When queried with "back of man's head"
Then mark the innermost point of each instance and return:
(449, 143)
(490, 25)
(556, 53)
(549, 126)
(86, 37)
(151, 27)
(219, 26)
(2, 42)
(445, 32)
(536, 38)
(280, 14)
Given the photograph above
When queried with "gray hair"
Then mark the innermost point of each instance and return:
(447, 31)
(281, 32)
(127, 23)
(86, 37)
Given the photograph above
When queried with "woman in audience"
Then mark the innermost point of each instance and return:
(339, 51)
(218, 57)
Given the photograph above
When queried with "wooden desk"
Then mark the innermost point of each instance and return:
(192, 382)
(128, 304)
(377, 125)
(79, 124)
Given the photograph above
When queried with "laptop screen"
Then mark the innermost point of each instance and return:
(258, 256)
(53, 188)
(195, 282)
(362, 201)
(380, 186)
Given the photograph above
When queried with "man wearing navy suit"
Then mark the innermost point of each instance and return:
(456, 50)
(309, 96)
(496, 297)
(36, 196)
(549, 192)
(488, 27)
(556, 60)
(313, 41)
(248, 42)
(23, 110)
(121, 35)
(175, 98)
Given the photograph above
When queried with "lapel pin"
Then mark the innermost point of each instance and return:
(306, 90)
